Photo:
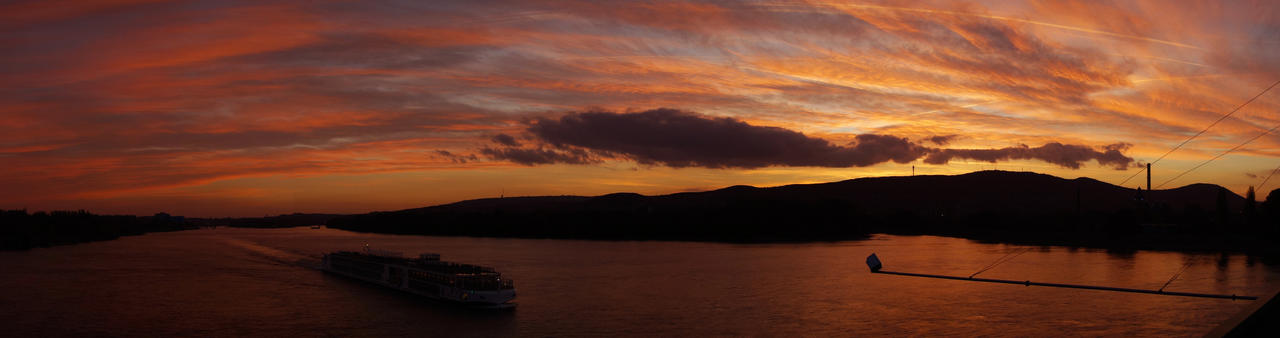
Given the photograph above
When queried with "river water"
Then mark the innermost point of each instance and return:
(262, 282)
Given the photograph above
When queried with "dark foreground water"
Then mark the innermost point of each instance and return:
(250, 282)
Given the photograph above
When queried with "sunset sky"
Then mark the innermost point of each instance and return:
(227, 108)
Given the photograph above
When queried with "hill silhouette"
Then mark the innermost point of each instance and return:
(986, 204)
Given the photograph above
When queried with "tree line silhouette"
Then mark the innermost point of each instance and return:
(21, 230)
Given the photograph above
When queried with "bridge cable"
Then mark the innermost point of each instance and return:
(1264, 181)
(1001, 260)
(1175, 276)
(1220, 155)
(1224, 117)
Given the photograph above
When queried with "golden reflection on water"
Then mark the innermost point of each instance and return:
(258, 282)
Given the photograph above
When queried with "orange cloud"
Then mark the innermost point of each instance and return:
(126, 102)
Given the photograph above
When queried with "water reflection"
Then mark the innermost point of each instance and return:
(255, 282)
(1127, 254)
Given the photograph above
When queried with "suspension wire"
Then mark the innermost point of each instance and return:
(1002, 260)
(1220, 155)
(1224, 117)
(1264, 181)
(1175, 275)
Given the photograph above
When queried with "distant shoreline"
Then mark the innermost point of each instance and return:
(993, 206)
(22, 230)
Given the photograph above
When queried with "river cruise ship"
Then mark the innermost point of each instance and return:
(428, 276)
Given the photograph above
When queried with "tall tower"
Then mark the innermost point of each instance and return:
(1148, 178)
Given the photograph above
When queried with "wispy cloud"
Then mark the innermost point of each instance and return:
(112, 96)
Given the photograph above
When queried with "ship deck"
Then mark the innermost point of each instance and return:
(450, 268)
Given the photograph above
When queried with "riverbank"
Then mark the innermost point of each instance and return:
(21, 230)
(998, 206)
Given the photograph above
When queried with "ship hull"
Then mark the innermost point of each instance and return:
(403, 278)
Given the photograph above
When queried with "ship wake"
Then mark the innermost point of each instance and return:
(275, 255)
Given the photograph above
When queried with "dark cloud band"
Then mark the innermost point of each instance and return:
(678, 139)
(1065, 155)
